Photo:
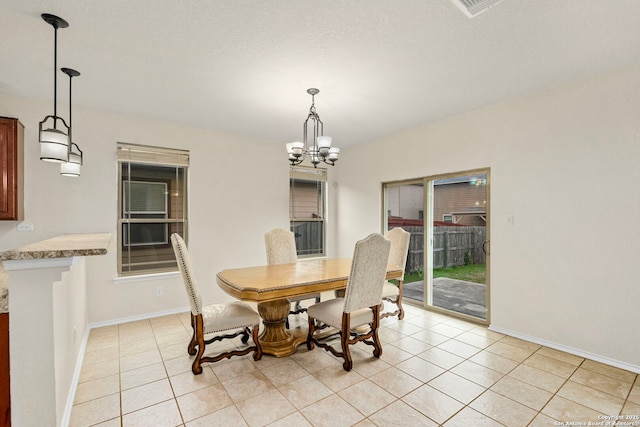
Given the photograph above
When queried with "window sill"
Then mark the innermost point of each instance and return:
(146, 277)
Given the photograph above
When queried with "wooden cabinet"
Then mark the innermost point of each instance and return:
(11, 169)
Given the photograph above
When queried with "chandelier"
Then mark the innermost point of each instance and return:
(318, 146)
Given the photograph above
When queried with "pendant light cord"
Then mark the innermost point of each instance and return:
(55, 74)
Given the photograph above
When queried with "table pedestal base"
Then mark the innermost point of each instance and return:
(275, 338)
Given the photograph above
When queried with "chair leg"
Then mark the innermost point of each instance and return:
(399, 301)
(311, 330)
(344, 342)
(199, 335)
(245, 335)
(346, 338)
(377, 347)
(191, 348)
(257, 354)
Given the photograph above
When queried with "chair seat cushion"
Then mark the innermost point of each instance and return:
(330, 312)
(389, 290)
(228, 316)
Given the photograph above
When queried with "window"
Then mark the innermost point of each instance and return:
(307, 187)
(152, 205)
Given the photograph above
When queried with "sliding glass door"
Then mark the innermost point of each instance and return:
(448, 218)
(405, 208)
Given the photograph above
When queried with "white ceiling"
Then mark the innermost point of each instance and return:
(244, 66)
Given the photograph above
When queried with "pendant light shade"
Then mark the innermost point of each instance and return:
(54, 144)
(54, 141)
(71, 167)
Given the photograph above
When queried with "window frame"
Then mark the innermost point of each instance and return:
(165, 213)
(319, 177)
(149, 157)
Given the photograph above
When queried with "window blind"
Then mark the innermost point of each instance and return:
(134, 153)
(308, 174)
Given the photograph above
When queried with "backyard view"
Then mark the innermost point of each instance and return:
(471, 273)
(457, 232)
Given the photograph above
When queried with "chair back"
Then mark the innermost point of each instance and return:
(281, 247)
(399, 247)
(184, 264)
(368, 272)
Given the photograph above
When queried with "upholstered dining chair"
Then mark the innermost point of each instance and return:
(399, 250)
(236, 318)
(360, 305)
(281, 249)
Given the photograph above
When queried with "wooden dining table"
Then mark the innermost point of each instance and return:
(270, 286)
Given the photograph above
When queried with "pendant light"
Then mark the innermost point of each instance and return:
(71, 167)
(54, 142)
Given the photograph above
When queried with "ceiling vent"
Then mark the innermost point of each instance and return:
(472, 8)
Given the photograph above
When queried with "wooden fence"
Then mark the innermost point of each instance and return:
(450, 245)
(308, 236)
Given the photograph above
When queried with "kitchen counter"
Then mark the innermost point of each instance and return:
(64, 246)
(48, 315)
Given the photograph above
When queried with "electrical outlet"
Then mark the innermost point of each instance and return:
(25, 226)
(159, 291)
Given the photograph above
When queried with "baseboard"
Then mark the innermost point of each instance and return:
(139, 317)
(570, 350)
(66, 417)
(71, 396)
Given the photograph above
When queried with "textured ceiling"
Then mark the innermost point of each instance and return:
(242, 66)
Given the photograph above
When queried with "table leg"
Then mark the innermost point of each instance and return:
(275, 338)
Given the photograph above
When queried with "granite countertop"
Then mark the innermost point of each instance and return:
(65, 246)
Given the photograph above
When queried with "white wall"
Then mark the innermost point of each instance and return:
(566, 164)
(69, 327)
(238, 191)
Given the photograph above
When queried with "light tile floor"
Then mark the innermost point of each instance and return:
(434, 370)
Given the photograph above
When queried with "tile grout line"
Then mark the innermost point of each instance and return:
(581, 365)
